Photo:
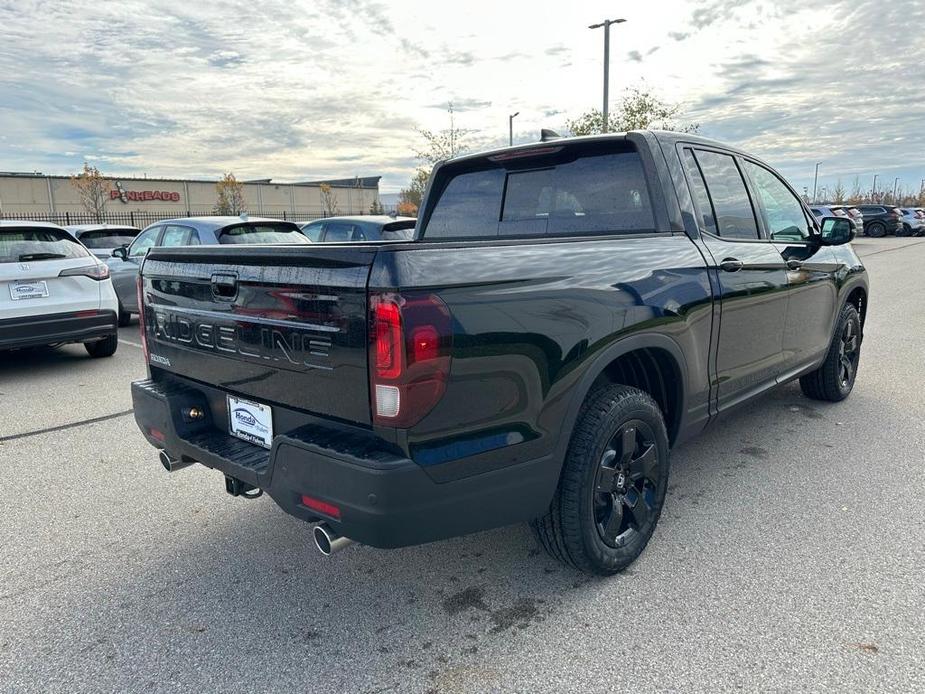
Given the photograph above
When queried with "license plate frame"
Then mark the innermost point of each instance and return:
(39, 290)
(250, 421)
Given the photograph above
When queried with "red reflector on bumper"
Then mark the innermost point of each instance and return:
(156, 434)
(321, 506)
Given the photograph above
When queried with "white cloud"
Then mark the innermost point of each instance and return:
(299, 90)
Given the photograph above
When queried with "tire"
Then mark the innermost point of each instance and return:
(125, 318)
(875, 230)
(102, 348)
(904, 230)
(619, 445)
(834, 380)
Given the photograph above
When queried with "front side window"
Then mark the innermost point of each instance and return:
(780, 209)
(340, 232)
(573, 192)
(28, 244)
(735, 218)
(312, 231)
(144, 241)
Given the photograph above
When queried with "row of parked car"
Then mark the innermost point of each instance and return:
(878, 220)
(77, 284)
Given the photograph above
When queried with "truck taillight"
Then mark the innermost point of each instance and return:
(139, 288)
(409, 356)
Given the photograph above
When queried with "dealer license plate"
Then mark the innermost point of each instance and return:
(250, 421)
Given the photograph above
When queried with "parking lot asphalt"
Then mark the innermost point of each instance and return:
(790, 555)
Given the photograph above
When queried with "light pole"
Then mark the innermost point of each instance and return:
(606, 24)
(815, 180)
(873, 192)
(895, 181)
(510, 127)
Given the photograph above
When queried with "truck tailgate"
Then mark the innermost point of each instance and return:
(284, 325)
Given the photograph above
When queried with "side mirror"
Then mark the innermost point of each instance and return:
(836, 231)
(120, 252)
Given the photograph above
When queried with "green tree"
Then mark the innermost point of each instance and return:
(93, 189)
(230, 200)
(638, 109)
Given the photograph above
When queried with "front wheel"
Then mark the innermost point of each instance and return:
(125, 318)
(834, 380)
(613, 483)
(875, 230)
(102, 348)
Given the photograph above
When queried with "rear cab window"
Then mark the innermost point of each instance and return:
(555, 190)
(261, 232)
(108, 238)
(30, 244)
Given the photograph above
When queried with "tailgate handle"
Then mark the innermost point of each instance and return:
(224, 286)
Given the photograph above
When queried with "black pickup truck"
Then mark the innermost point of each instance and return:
(566, 313)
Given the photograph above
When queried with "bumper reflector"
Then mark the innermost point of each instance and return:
(321, 506)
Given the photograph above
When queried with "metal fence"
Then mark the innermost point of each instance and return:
(140, 219)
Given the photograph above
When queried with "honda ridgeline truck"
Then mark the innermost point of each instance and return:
(566, 313)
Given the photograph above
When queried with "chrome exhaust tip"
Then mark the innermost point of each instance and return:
(172, 464)
(327, 541)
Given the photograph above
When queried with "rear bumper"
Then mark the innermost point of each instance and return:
(32, 331)
(384, 499)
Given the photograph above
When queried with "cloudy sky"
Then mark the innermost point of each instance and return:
(311, 89)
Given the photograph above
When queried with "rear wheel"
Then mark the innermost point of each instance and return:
(905, 230)
(834, 380)
(103, 348)
(124, 316)
(613, 483)
(876, 230)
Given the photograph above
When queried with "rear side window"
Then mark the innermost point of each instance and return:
(108, 238)
(572, 193)
(261, 233)
(699, 193)
(735, 217)
(27, 244)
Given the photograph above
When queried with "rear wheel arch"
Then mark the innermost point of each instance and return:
(653, 363)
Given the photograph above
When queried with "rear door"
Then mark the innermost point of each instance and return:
(750, 274)
(811, 267)
(32, 260)
(281, 326)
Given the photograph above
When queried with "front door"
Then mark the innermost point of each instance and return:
(125, 271)
(811, 268)
(749, 273)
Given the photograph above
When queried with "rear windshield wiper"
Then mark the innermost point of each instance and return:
(41, 256)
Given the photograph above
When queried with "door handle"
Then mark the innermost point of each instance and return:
(731, 265)
(794, 264)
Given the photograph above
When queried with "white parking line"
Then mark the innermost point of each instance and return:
(126, 342)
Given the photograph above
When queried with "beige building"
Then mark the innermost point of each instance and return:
(25, 194)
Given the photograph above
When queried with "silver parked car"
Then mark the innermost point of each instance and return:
(359, 229)
(102, 239)
(913, 221)
(190, 231)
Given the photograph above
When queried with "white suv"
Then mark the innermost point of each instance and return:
(53, 290)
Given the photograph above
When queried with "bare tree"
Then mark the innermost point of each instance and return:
(839, 193)
(93, 189)
(230, 199)
(856, 197)
(329, 205)
(443, 144)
